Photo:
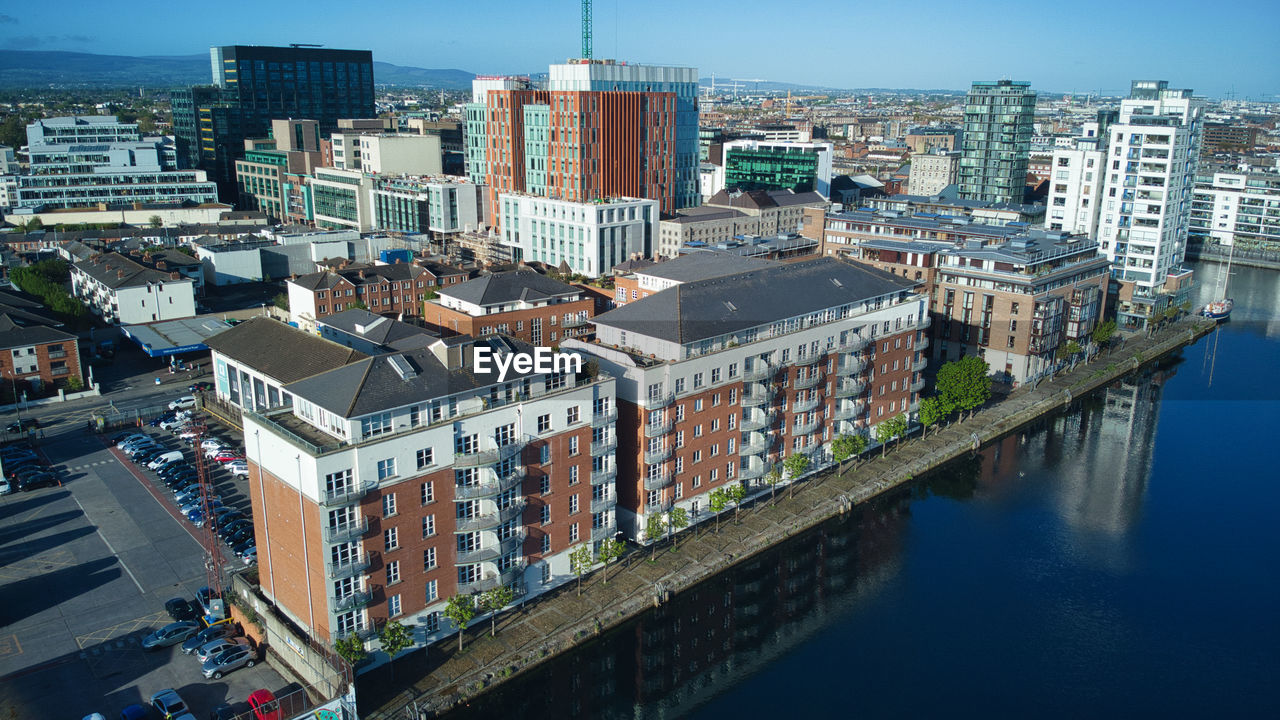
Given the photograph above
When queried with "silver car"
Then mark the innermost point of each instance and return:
(210, 649)
(170, 634)
(241, 655)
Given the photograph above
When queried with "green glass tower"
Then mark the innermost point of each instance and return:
(999, 119)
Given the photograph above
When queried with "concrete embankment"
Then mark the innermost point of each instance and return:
(557, 622)
(1244, 258)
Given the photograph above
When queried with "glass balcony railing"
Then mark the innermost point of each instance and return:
(477, 458)
(347, 494)
(658, 429)
(657, 482)
(659, 455)
(351, 568)
(346, 532)
(353, 601)
(604, 417)
(605, 446)
(803, 406)
(850, 389)
(489, 485)
(812, 380)
(759, 371)
(601, 477)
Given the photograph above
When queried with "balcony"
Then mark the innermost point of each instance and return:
(806, 428)
(356, 566)
(600, 419)
(347, 494)
(918, 385)
(55, 354)
(754, 445)
(602, 504)
(657, 456)
(804, 406)
(850, 388)
(653, 402)
(492, 519)
(850, 367)
(924, 322)
(346, 532)
(657, 482)
(488, 457)
(490, 486)
(489, 553)
(602, 477)
(756, 468)
(759, 371)
(757, 421)
(604, 531)
(575, 321)
(920, 365)
(809, 360)
(491, 580)
(347, 603)
(602, 447)
(850, 410)
(658, 429)
(852, 344)
(754, 399)
(812, 380)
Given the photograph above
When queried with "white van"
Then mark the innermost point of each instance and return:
(165, 458)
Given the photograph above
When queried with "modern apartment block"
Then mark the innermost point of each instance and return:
(439, 206)
(398, 481)
(522, 304)
(125, 291)
(1152, 154)
(719, 380)
(400, 288)
(751, 164)
(587, 238)
(999, 120)
(1240, 209)
(931, 173)
(842, 232)
(1015, 304)
(1075, 188)
(600, 129)
(253, 85)
(946, 204)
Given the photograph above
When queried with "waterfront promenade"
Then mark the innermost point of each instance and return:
(557, 622)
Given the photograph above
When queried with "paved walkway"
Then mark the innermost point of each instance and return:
(557, 621)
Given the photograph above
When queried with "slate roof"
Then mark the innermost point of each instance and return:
(508, 287)
(380, 329)
(375, 384)
(24, 309)
(703, 266)
(705, 309)
(13, 334)
(280, 351)
(373, 274)
(117, 271)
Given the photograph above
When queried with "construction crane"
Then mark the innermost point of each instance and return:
(586, 29)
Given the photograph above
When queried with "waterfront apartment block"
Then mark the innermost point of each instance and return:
(719, 380)
(1075, 188)
(398, 481)
(123, 290)
(520, 303)
(999, 120)
(586, 238)
(842, 232)
(1240, 209)
(946, 204)
(400, 288)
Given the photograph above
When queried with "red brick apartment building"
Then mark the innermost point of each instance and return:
(33, 352)
(520, 303)
(400, 480)
(723, 378)
(383, 289)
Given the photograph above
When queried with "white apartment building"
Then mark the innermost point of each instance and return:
(590, 238)
(126, 292)
(400, 154)
(932, 173)
(1231, 208)
(1075, 188)
(1152, 153)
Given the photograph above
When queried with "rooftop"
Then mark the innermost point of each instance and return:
(379, 329)
(509, 287)
(280, 351)
(702, 266)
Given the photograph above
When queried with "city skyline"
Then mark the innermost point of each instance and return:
(1057, 49)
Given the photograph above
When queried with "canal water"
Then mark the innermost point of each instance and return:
(1119, 560)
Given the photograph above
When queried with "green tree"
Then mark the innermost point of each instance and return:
(580, 561)
(654, 528)
(932, 411)
(1104, 332)
(772, 478)
(964, 384)
(281, 301)
(1069, 349)
(795, 465)
(677, 520)
(155, 221)
(886, 431)
(394, 639)
(610, 549)
(492, 601)
(460, 610)
(717, 501)
(350, 648)
(736, 493)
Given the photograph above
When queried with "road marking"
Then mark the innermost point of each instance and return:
(113, 550)
(10, 646)
(92, 641)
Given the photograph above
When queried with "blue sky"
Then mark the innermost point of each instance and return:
(1086, 45)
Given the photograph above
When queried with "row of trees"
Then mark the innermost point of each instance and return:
(47, 280)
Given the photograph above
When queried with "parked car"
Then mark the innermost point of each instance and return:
(135, 712)
(211, 444)
(200, 387)
(213, 647)
(175, 420)
(264, 705)
(181, 609)
(208, 635)
(38, 480)
(240, 655)
(238, 468)
(227, 455)
(16, 469)
(170, 705)
(250, 556)
(16, 452)
(182, 403)
(224, 711)
(5, 486)
(130, 437)
(165, 458)
(189, 433)
(171, 634)
(22, 425)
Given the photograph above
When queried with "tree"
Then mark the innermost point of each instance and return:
(677, 520)
(394, 638)
(1069, 349)
(654, 528)
(492, 601)
(281, 301)
(717, 502)
(932, 411)
(772, 478)
(350, 648)
(610, 549)
(736, 493)
(795, 467)
(155, 221)
(460, 610)
(895, 426)
(1104, 332)
(964, 384)
(580, 561)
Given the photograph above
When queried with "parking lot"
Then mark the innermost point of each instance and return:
(85, 570)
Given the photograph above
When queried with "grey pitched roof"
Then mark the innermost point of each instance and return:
(380, 329)
(13, 334)
(24, 309)
(117, 271)
(785, 198)
(703, 266)
(394, 380)
(280, 351)
(708, 308)
(507, 287)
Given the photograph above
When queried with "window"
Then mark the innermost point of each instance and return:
(428, 526)
(505, 434)
(697, 380)
(428, 560)
(715, 400)
(573, 475)
(433, 593)
(697, 405)
(679, 438)
(697, 456)
(573, 445)
(573, 504)
(393, 572)
(393, 604)
(544, 423)
(654, 498)
(573, 532)
(426, 457)
(388, 505)
(391, 538)
(546, 544)
(375, 424)
(696, 482)
(697, 430)
(715, 425)
(715, 375)
(572, 415)
(386, 468)
(466, 444)
(546, 513)
(679, 385)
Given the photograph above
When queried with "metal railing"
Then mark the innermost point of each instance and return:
(656, 429)
(850, 388)
(657, 482)
(604, 503)
(600, 419)
(661, 455)
(488, 457)
(600, 477)
(918, 385)
(754, 399)
(812, 380)
(802, 406)
(492, 552)
(759, 371)
(604, 531)
(601, 447)
(753, 471)
(575, 321)
(347, 495)
(654, 402)
(755, 446)
(850, 410)
(925, 322)
(346, 532)
(489, 486)
(806, 428)
(850, 367)
(922, 343)
(920, 365)
(347, 603)
(809, 360)
(351, 568)
(853, 343)
(758, 421)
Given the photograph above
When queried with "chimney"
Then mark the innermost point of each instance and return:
(175, 275)
(162, 266)
(119, 274)
(361, 274)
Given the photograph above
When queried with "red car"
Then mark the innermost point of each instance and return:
(227, 456)
(264, 705)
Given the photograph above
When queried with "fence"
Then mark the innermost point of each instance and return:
(114, 419)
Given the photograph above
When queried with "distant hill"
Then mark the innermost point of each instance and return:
(36, 69)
